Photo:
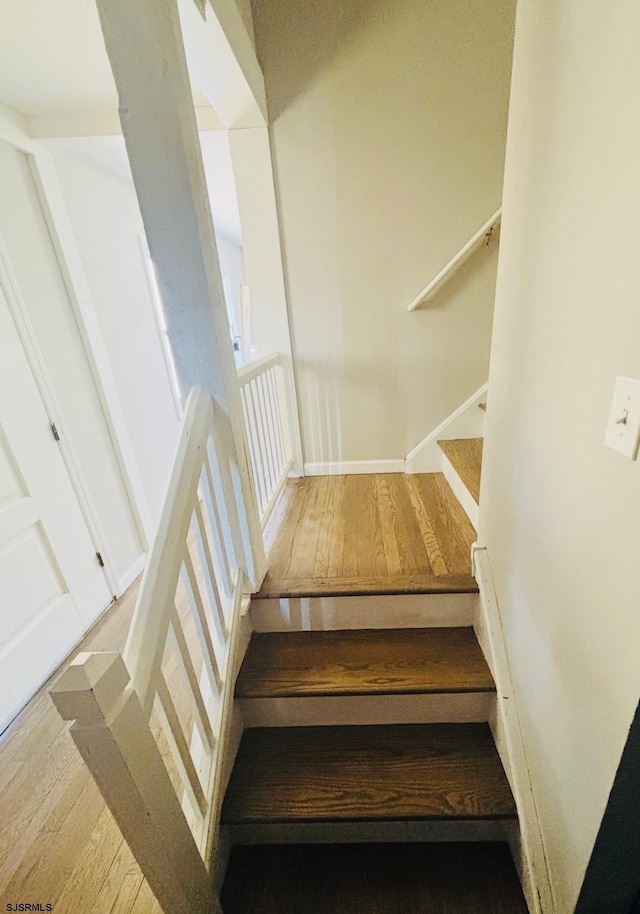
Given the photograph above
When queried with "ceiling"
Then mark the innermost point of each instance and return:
(53, 61)
(53, 58)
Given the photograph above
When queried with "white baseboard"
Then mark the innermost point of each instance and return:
(346, 467)
(526, 840)
(467, 421)
(303, 614)
(464, 496)
(127, 579)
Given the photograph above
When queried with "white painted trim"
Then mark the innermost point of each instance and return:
(439, 610)
(344, 467)
(13, 131)
(126, 580)
(527, 842)
(355, 710)
(464, 422)
(456, 261)
(464, 496)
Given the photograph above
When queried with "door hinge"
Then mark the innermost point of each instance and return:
(55, 432)
(100, 560)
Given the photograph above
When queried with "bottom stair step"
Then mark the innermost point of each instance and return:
(367, 774)
(373, 879)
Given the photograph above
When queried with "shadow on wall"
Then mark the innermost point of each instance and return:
(334, 25)
(329, 436)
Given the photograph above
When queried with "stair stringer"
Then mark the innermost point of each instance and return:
(467, 421)
(524, 834)
(459, 489)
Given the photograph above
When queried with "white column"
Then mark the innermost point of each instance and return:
(145, 47)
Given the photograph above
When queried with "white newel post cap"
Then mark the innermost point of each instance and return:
(91, 687)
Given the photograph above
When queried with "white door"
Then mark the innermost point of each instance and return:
(51, 582)
(32, 259)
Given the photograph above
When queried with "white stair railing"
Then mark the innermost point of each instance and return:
(265, 407)
(153, 725)
(484, 234)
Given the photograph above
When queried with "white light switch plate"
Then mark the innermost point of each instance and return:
(623, 427)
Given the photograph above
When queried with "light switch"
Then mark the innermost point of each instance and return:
(623, 427)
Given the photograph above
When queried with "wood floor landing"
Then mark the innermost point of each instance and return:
(367, 774)
(465, 456)
(379, 533)
(373, 879)
(381, 662)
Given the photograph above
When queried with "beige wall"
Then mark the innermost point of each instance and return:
(388, 132)
(560, 512)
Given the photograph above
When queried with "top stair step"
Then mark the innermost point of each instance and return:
(363, 662)
(465, 456)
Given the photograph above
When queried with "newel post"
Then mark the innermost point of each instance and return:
(112, 733)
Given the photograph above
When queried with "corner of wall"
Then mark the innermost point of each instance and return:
(525, 838)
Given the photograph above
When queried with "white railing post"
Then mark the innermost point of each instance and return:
(112, 733)
(265, 401)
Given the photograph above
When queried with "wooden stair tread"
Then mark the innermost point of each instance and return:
(367, 773)
(363, 662)
(451, 878)
(465, 456)
(273, 588)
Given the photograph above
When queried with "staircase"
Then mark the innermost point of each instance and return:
(357, 737)
(335, 721)
(365, 736)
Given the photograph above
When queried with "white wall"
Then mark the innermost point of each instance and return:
(389, 121)
(560, 512)
(233, 270)
(106, 219)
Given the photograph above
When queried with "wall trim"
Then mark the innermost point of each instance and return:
(344, 467)
(464, 422)
(526, 839)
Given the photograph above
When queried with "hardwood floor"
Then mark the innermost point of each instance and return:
(381, 662)
(373, 879)
(59, 843)
(465, 456)
(367, 774)
(378, 533)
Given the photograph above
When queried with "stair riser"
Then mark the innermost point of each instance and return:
(369, 833)
(461, 492)
(473, 707)
(441, 610)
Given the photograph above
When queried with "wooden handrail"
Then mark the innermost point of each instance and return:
(456, 261)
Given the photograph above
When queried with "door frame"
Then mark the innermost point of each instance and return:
(13, 132)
